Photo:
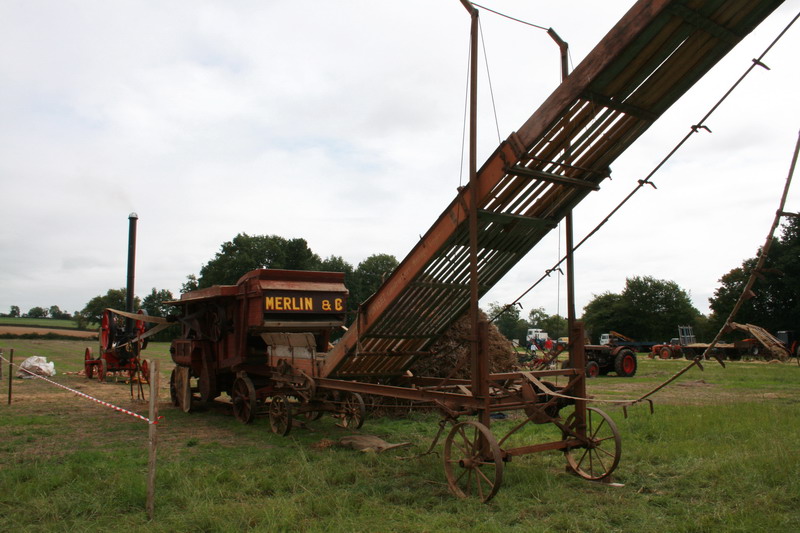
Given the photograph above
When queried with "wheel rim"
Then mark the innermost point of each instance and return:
(600, 452)
(665, 353)
(354, 411)
(244, 399)
(173, 390)
(473, 462)
(102, 368)
(144, 369)
(88, 364)
(106, 331)
(280, 415)
(628, 364)
(592, 370)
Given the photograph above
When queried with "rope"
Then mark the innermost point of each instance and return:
(84, 395)
(646, 181)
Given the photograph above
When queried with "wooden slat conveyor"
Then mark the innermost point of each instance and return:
(654, 54)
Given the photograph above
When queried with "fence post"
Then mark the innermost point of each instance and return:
(10, 372)
(152, 438)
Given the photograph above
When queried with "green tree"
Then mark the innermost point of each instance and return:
(537, 317)
(776, 304)
(600, 314)
(81, 321)
(56, 312)
(245, 253)
(154, 305)
(37, 312)
(14, 311)
(555, 326)
(113, 299)
(508, 321)
(190, 284)
(648, 309)
(369, 275)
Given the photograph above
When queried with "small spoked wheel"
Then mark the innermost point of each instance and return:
(144, 370)
(88, 364)
(353, 411)
(473, 462)
(597, 453)
(280, 415)
(102, 369)
(243, 396)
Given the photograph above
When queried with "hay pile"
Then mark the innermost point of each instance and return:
(452, 350)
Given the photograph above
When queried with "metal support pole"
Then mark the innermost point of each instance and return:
(578, 358)
(479, 367)
(571, 315)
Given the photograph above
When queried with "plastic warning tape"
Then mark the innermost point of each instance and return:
(84, 395)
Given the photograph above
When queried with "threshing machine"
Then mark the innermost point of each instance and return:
(265, 340)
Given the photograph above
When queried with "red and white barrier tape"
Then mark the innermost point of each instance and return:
(101, 402)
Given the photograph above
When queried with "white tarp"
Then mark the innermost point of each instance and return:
(38, 365)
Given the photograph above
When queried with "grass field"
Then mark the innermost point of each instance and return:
(41, 322)
(720, 453)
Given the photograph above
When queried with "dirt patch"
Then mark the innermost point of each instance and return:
(30, 330)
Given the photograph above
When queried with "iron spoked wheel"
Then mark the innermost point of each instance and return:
(599, 456)
(280, 415)
(473, 462)
(243, 395)
(102, 370)
(144, 369)
(354, 411)
(108, 330)
(173, 389)
(88, 364)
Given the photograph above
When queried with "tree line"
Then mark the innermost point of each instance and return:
(650, 309)
(646, 309)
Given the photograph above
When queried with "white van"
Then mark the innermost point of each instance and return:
(537, 335)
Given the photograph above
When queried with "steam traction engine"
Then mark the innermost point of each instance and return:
(261, 341)
(121, 333)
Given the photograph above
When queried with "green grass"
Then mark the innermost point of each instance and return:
(719, 454)
(41, 322)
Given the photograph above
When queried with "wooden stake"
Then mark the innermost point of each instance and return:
(152, 439)
(10, 373)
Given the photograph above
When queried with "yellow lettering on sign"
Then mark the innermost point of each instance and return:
(270, 303)
(338, 304)
(287, 303)
(308, 304)
(326, 305)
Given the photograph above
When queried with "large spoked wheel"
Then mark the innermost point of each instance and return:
(354, 411)
(598, 455)
(473, 462)
(244, 399)
(280, 415)
(88, 363)
(108, 330)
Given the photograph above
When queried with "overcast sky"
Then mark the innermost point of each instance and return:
(341, 122)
